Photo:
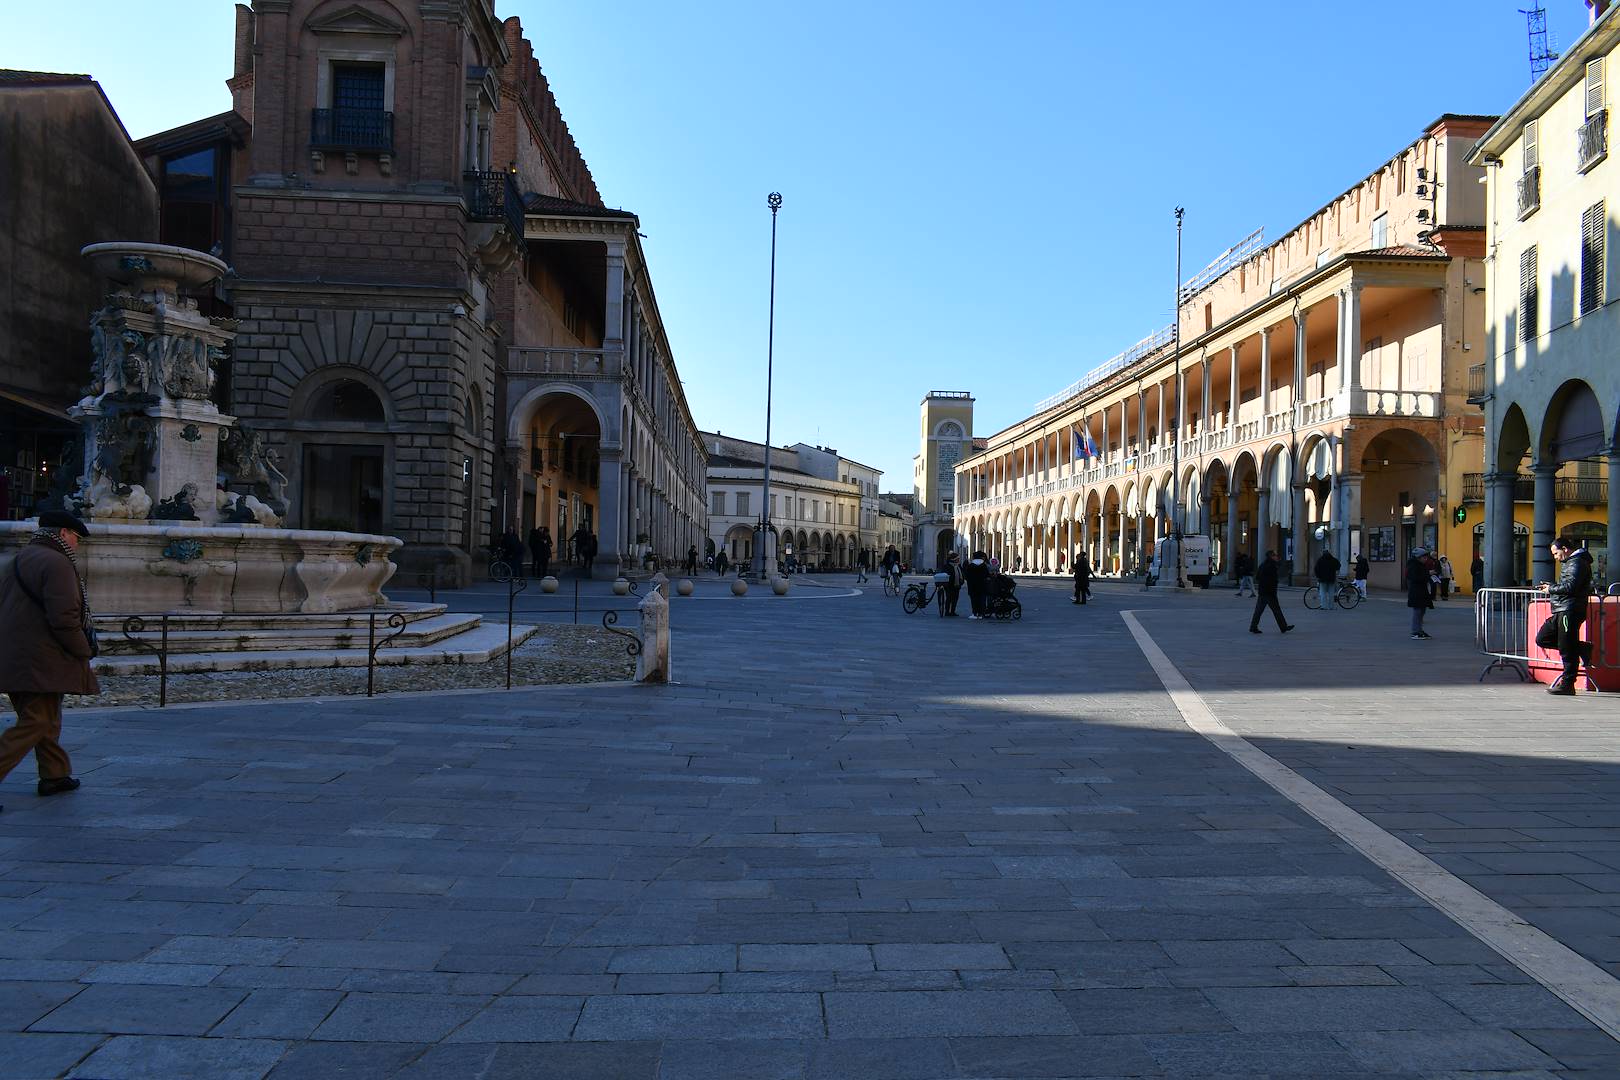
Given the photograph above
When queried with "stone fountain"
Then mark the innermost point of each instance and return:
(185, 504)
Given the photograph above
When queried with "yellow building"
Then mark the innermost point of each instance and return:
(1321, 382)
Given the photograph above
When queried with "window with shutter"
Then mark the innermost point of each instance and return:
(1532, 152)
(1594, 86)
(1380, 231)
(1529, 296)
(1593, 222)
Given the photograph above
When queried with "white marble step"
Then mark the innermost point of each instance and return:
(293, 635)
(479, 645)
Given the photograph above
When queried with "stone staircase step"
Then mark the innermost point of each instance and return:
(478, 645)
(298, 635)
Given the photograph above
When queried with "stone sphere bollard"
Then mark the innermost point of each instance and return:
(780, 586)
(739, 587)
(684, 586)
(621, 587)
(548, 584)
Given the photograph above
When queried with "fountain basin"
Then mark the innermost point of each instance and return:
(153, 268)
(233, 569)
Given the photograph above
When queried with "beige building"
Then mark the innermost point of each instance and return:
(815, 509)
(946, 437)
(896, 527)
(1321, 380)
(1550, 377)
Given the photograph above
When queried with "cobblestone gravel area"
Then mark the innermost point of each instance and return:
(558, 654)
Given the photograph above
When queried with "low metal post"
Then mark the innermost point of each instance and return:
(163, 663)
(371, 654)
(513, 587)
(576, 601)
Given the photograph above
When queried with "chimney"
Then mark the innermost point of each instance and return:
(1595, 9)
(244, 39)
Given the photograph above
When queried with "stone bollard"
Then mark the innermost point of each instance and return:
(684, 586)
(548, 584)
(621, 587)
(652, 665)
(780, 586)
(660, 583)
(739, 587)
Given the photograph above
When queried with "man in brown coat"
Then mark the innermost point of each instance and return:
(43, 621)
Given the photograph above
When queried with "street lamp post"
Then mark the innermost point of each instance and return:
(1175, 443)
(764, 553)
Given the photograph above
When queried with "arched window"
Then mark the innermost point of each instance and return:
(348, 400)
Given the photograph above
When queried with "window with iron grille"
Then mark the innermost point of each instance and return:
(1593, 252)
(357, 86)
(1529, 295)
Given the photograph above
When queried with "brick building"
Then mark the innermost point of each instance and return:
(438, 327)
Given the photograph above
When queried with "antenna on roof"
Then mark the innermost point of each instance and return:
(1541, 54)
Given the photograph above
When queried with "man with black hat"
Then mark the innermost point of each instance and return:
(45, 623)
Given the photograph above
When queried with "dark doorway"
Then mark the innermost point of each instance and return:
(343, 488)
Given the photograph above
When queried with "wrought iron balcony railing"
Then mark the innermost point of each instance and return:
(1593, 139)
(352, 129)
(494, 196)
(1478, 393)
(1529, 191)
(1567, 490)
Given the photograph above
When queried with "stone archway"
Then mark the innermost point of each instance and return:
(1400, 480)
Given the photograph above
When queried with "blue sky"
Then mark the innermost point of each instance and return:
(977, 197)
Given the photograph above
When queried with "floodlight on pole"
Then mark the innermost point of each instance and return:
(764, 551)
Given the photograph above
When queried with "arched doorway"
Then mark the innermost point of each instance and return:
(739, 545)
(1400, 480)
(561, 457)
(344, 466)
(944, 545)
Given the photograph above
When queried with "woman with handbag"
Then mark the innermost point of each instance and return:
(45, 623)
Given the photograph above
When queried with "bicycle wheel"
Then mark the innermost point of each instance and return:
(500, 571)
(1348, 598)
(913, 601)
(1313, 598)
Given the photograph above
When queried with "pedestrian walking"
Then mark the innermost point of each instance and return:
(1476, 572)
(1244, 565)
(952, 590)
(860, 569)
(540, 550)
(691, 560)
(50, 641)
(976, 576)
(720, 562)
(1445, 578)
(1327, 578)
(1419, 592)
(1265, 580)
(578, 539)
(1363, 568)
(1082, 578)
(1568, 596)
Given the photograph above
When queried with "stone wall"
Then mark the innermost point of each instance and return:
(342, 237)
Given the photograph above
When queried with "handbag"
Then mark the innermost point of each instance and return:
(90, 636)
(1547, 636)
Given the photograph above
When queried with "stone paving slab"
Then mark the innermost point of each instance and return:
(850, 843)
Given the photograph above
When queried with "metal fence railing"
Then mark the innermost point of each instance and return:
(1505, 625)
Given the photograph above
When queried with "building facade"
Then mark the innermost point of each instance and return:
(1550, 379)
(829, 464)
(896, 527)
(815, 503)
(946, 438)
(443, 331)
(72, 178)
(1312, 394)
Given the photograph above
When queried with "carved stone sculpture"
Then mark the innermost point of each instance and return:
(181, 506)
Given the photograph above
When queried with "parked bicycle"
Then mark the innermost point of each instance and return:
(1346, 596)
(919, 595)
(499, 569)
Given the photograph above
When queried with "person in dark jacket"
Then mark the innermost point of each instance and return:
(44, 622)
(1568, 596)
(1243, 566)
(1082, 578)
(1363, 568)
(540, 550)
(1327, 578)
(1476, 571)
(952, 589)
(1419, 592)
(976, 576)
(1265, 583)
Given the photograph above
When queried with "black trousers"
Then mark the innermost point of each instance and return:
(1263, 601)
(951, 593)
(976, 599)
(1082, 590)
(1570, 644)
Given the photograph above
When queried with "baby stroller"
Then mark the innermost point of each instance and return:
(1000, 603)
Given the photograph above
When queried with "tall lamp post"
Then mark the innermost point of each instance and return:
(1175, 443)
(764, 550)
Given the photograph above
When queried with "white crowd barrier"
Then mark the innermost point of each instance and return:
(1505, 625)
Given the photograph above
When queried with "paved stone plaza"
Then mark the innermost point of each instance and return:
(849, 844)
